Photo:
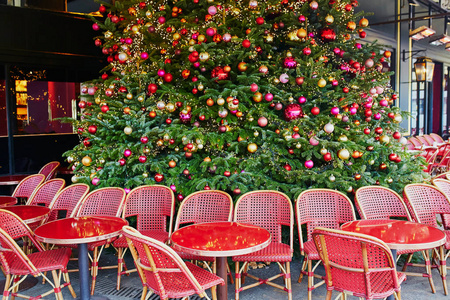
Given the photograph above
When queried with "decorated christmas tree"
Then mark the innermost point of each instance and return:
(240, 96)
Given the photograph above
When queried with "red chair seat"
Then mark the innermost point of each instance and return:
(159, 235)
(177, 285)
(43, 261)
(275, 252)
(310, 250)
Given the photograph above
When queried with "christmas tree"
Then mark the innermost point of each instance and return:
(240, 96)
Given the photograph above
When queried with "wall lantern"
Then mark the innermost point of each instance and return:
(424, 67)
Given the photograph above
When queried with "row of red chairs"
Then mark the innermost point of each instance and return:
(154, 208)
(434, 149)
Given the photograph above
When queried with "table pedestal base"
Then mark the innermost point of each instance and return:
(222, 290)
(83, 266)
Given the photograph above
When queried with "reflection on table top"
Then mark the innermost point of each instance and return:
(12, 179)
(28, 213)
(220, 239)
(80, 230)
(399, 234)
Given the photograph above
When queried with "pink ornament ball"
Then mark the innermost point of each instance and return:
(161, 20)
(335, 111)
(95, 26)
(127, 153)
(284, 78)
(173, 187)
(95, 181)
(369, 63)
(161, 72)
(226, 37)
(254, 87)
(144, 55)
(314, 5)
(293, 111)
(379, 89)
(144, 140)
(142, 159)
(309, 164)
(296, 136)
(377, 116)
(353, 110)
(129, 41)
(212, 10)
(301, 99)
(358, 46)
(210, 31)
(91, 90)
(373, 91)
(384, 102)
(262, 121)
(302, 18)
(313, 141)
(268, 97)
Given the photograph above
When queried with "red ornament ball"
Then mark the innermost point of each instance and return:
(327, 156)
(315, 110)
(152, 88)
(327, 34)
(287, 167)
(159, 177)
(397, 135)
(168, 77)
(290, 63)
(105, 108)
(142, 159)
(92, 129)
(86, 142)
(260, 20)
(246, 43)
(293, 111)
(219, 73)
(392, 157)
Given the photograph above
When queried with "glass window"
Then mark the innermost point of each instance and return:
(40, 98)
(445, 114)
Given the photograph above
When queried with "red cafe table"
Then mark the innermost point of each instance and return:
(12, 179)
(29, 213)
(81, 231)
(7, 201)
(399, 234)
(220, 240)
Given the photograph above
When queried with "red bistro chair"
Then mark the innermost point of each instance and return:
(203, 207)
(444, 186)
(15, 263)
(319, 207)
(425, 202)
(437, 138)
(153, 205)
(429, 140)
(417, 143)
(270, 210)
(67, 201)
(357, 264)
(424, 141)
(163, 272)
(27, 186)
(46, 192)
(377, 202)
(49, 170)
(108, 201)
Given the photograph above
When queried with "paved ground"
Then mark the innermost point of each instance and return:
(414, 288)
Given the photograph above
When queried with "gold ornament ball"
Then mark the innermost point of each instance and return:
(323, 151)
(329, 19)
(220, 101)
(129, 96)
(145, 175)
(363, 22)
(322, 82)
(293, 35)
(390, 180)
(349, 189)
(200, 87)
(384, 139)
(343, 138)
(159, 143)
(128, 130)
(257, 97)
(204, 56)
(97, 100)
(171, 107)
(343, 154)
(86, 161)
(74, 179)
(252, 147)
(141, 98)
(397, 118)
(301, 33)
(146, 150)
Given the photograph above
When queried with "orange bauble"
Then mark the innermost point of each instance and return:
(363, 22)
(172, 164)
(152, 114)
(227, 69)
(126, 110)
(257, 97)
(387, 53)
(351, 25)
(242, 66)
(210, 102)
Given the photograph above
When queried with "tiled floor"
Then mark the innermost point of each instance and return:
(413, 288)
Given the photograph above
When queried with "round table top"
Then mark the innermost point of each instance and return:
(399, 234)
(80, 230)
(12, 179)
(28, 213)
(220, 239)
(7, 200)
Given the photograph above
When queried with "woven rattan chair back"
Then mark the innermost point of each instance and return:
(49, 170)
(205, 206)
(437, 138)
(429, 139)
(153, 205)
(444, 186)
(423, 140)
(161, 269)
(27, 186)
(377, 202)
(413, 140)
(268, 209)
(356, 263)
(67, 201)
(425, 202)
(324, 208)
(442, 175)
(46, 192)
(108, 201)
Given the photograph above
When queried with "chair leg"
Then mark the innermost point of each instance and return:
(57, 288)
(5, 289)
(230, 275)
(119, 266)
(426, 256)
(408, 259)
(94, 269)
(443, 268)
(67, 280)
(305, 261)
(237, 278)
(288, 280)
(144, 293)
(329, 295)
(310, 280)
